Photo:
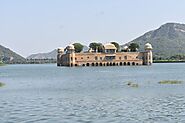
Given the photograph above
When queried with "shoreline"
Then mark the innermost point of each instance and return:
(169, 61)
(154, 61)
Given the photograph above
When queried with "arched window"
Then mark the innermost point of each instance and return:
(125, 63)
(96, 64)
(101, 64)
(120, 63)
(133, 63)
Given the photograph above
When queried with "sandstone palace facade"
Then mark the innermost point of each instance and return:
(109, 57)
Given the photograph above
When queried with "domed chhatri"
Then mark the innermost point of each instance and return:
(70, 47)
(108, 57)
(125, 48)
(110, 46)
(60, 50)
(148, 46)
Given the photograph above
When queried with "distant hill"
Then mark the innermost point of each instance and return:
(49, 55)
(8, 56)
(168, 40)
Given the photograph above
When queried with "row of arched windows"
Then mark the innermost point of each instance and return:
(110, 64)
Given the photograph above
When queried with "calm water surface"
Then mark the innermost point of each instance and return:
(50, 94)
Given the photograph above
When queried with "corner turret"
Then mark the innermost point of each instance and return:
(148, 57)
(71, 55)
(70, 48)
(59, 56)
(148, 46)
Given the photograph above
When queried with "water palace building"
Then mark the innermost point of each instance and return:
(109, 57)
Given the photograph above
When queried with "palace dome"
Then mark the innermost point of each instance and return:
(125, 48)
(148, 46)
(60, 50)
(110, 46)
(70, 47)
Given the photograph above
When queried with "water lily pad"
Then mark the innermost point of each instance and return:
(1, 84)
(131, 84)
(170, 82)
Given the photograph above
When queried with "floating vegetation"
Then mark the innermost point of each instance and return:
(2, 64)
(131, 84)
(1, 84)
(170, 82)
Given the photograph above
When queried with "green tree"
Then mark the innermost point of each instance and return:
(100, 48)
(133, 47)
(177, 57)
(116, 45)
(96, 46)
(78, 47)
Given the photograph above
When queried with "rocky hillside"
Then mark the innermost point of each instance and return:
(168, 40)
(8, 56)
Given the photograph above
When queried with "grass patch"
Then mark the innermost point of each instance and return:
(131, 84)
(170, 82)
(1, 84)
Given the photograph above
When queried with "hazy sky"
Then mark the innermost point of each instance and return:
(32, 26)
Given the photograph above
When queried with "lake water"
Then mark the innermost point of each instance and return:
(50, 94)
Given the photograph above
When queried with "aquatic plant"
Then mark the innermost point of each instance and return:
(1, 84)
(1, 63)
(170, 82)
(131, 84)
